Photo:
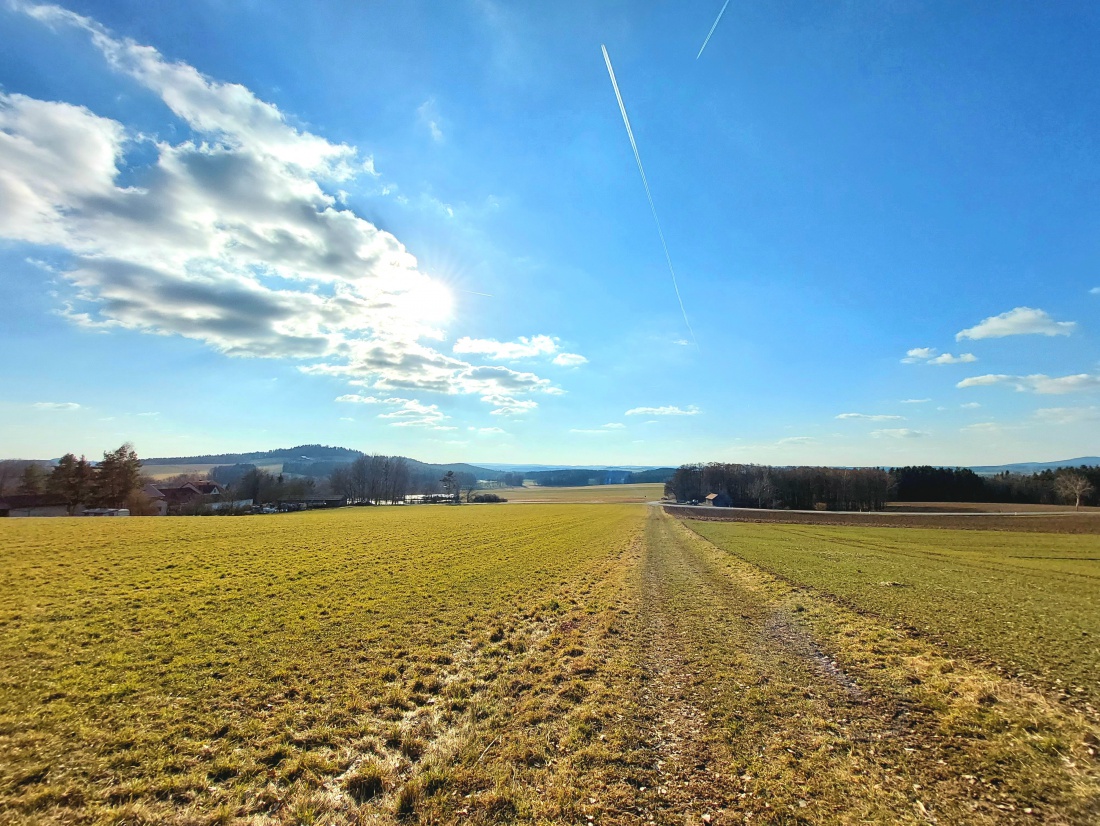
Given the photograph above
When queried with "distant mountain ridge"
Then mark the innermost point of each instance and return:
(1037, 467)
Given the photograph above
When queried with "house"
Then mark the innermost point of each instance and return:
(710, 497)
(35, 504)
(182, 498)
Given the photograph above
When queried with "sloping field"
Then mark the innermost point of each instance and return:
(590, 494)
(551, 664)
(160, 670)
(1027, 602)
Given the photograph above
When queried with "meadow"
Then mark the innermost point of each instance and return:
(589, 494)
(550, 663)
(1027, 602)
(197, 670)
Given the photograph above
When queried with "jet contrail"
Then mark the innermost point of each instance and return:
(712, 28)
(648, 194)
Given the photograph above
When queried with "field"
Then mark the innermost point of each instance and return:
(161, 472)
(543, 664)
(590, 494)
(1085, 522)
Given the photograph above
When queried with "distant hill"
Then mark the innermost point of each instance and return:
(532, 468)
(301, 453)
(1036, 467)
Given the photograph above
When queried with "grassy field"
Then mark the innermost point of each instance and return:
(586, 494)
(196, 670)
(550, 664)
(1028, 602)
(159, 472)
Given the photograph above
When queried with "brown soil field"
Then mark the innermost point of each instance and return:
(980, 507)
(1079, 523)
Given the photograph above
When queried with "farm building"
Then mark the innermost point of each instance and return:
(34, 504)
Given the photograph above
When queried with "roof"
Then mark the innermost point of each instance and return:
(19, 501)
(711, 496)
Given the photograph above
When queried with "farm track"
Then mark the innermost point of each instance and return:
(748, 718)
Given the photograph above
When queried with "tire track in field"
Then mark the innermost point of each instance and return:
(750, 720)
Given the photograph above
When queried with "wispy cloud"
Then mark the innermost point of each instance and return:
(57, 405)
(871, 417)
(927, 355)
(522, 348)
(899, 433)
(1068, 415)
(1038, 383)
(712, 28)
(1018, 322)
(505, 405)
(428, 112)
(670, 410)
(915, 401)
(648, 194)
(569, 360)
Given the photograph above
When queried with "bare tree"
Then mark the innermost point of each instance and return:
(1073, 486)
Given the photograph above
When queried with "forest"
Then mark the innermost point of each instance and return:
(855, 489)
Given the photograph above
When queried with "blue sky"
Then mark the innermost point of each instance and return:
(419, 228)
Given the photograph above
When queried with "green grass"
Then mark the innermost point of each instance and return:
(155, 669)
(586, 493)
(1027, 602)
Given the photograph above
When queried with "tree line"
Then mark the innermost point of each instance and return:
(809, 488)
(798, 488)
(110, 483)
(1076, 486)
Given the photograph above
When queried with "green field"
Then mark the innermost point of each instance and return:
(590, 494)
(153, 667)
(540, 664)
(1029, 602)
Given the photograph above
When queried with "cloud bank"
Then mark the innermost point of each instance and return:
(230, 236)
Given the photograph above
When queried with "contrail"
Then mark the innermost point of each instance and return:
(648, 194)
(712, 28)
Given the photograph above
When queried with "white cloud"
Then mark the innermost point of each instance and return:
(569, 360)
(947, 358)
(1068, 415)
(927, 355)
(1039, 383)
(871, 417)
(428, 113)
(610, 427)
(797, 440)
(915, 401)
(1017, 322)
(355, 398)
(971, 406)
(229, 237)
(487, 431)
(690, 410)
(683, 342)
(598, 431)
(505, 405)
(521, 348)
(898, 433)
(918, 354)
(414, 413)
(1095, 291)
(981, 381)
(614, 426)
(982, 427)
(57, 405)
